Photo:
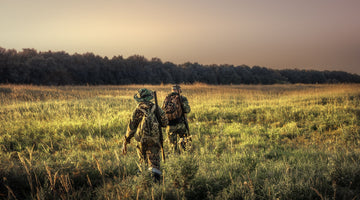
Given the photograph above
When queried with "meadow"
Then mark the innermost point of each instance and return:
(248, 142)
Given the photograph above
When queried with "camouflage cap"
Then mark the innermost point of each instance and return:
(176, 87)
(143, 94)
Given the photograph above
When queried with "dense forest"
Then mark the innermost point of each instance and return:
(59, 68)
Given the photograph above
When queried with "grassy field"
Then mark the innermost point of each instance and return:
(249, 142)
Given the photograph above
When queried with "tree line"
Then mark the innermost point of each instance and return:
(60, 68)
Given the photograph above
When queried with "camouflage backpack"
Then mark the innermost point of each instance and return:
(149, 125)
(172, 107)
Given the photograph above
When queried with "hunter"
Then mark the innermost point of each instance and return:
(176, 106)
(145, 125)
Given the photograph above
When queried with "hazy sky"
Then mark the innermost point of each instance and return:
(303, 34)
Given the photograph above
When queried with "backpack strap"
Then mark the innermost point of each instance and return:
(144, 111)
(151, 110)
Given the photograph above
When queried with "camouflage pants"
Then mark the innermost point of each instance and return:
(149, 153)
(174, 132)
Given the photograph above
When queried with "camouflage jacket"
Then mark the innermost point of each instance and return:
(137, 117)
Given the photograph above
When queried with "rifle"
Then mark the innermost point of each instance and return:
(183, 116)
(160, 130)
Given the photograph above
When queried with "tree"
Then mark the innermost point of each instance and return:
(58, 68)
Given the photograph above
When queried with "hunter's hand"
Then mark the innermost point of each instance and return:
(124, 148)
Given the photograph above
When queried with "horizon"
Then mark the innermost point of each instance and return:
(304, 35)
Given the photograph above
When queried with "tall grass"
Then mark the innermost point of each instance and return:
(249, 142)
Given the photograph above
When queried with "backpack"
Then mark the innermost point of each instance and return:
(172, 107)
(149, 126)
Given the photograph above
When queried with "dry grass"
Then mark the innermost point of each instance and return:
(249, 141)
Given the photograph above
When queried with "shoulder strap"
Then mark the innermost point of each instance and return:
(151, 110)
(144, 111)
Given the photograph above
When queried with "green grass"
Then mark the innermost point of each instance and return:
(249, 142)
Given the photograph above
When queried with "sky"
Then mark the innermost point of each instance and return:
(277, 34)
